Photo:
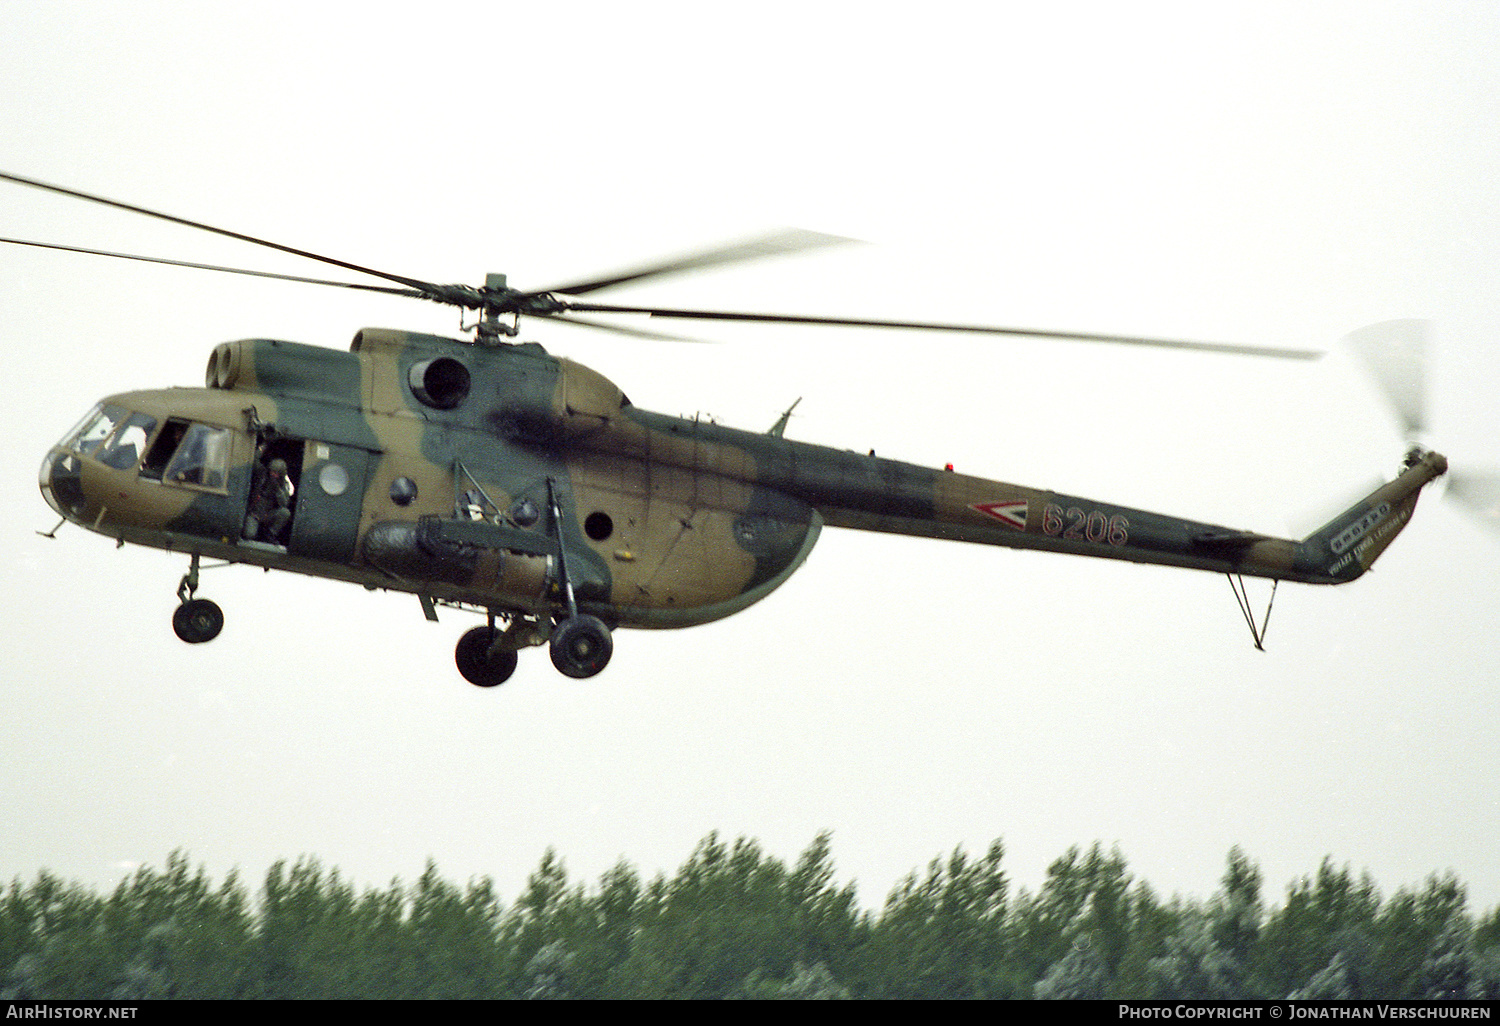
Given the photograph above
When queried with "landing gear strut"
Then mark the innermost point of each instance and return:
(196, 620)
(581, 644)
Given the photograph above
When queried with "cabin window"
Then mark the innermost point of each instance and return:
(182, 453)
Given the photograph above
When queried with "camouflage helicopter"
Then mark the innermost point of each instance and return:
(492, 476)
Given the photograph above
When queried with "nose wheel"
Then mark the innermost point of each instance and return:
(196, 620)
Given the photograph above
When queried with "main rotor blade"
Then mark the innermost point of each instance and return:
(858, 322)
(77, 194)
(621, 329)
(212, 267)
(786, 240)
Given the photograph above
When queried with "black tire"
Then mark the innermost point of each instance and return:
(474, 661)
(197, 621)
(581, 646)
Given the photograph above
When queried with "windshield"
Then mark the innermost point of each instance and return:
(94, 428)
(112, 435)
(123, 449)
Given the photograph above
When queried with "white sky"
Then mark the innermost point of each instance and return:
(1261, 173)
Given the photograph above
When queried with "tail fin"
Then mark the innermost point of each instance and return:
(1346, 546)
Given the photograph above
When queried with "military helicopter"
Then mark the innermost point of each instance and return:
(489, 475)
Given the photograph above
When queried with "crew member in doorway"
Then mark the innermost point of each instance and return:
(270, 504)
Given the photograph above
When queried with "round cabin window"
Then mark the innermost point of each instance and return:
(333, 479)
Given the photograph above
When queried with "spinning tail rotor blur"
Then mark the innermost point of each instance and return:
(1395, 353)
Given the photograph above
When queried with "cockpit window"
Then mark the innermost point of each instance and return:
(181, 453)
(94, 428)
(201, 459)
(163, 448)
(124, 448)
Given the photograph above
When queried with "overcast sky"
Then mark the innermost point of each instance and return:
(1269, 173)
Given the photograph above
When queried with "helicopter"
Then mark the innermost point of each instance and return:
(488, 475)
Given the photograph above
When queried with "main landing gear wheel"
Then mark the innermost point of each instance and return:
(198, 620)
(478, 664)
(581, 646)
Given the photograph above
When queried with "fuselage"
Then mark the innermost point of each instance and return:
(495, 476)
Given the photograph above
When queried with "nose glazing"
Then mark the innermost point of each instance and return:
(61, 481)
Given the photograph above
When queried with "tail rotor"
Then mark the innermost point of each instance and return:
(1395, 355)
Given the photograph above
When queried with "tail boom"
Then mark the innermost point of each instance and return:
(963, 508)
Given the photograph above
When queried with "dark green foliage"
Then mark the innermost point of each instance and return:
(1487, 930)
(1080, 922)
(1420, 940)
(733, 913)
(943, 936)
(734, 922)
(1321, 935)
(1236, 911)
(159, 935)
(1209, 952)
(1196, 965)
(806, 984)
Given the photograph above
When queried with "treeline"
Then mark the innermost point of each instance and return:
(735, 922)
